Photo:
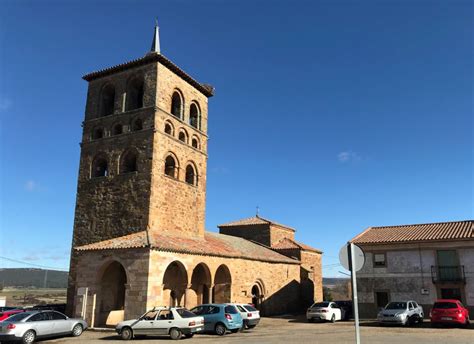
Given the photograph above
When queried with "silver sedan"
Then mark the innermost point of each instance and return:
(28, 326)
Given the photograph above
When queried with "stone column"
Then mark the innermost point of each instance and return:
(187, 296)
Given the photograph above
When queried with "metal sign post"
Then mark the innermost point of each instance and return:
(355, 305)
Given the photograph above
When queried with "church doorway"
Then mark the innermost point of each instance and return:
(175, 281)
(200, 284)
(112, 293)
(222, 285)
(258, 295)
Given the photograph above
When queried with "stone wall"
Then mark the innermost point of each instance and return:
(313, 261)
(279, 232)
(257, 233)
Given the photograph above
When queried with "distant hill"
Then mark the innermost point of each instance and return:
(33, 278)
(333, 281)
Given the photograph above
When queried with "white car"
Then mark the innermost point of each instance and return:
(401, 313)
(172, 321)
(328, 311)
(250, 315)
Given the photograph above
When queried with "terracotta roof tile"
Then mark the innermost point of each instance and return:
(212, 244)
(458, 230)
(288, 244)
(254, 220)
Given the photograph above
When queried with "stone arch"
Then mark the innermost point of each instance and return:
(99, 166)
(128, 162)
(222, 285)
(97, 133)
(195, 142)
(112, 282)
(175, 282)
(137, 124)
(107, 100)
(201, 284)
(177, 104)
(169, 128)
(134, 93)
(195, 115)
(258, 293)
(183, 135)
(191, 174)
(171, 165)
(117, 129)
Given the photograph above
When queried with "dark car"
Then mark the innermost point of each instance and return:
(58, 307)
(346, 309)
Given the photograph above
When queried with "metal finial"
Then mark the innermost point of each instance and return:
(258, 210)
(155, 45)
(156, 21)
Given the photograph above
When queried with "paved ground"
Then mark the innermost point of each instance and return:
(296, 330)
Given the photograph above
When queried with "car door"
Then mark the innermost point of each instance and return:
(61, 323)
(335, 310)
(41, 324)
(145, 324)
(213, 313)
(163, 322)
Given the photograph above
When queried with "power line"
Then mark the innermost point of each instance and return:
(32, 264)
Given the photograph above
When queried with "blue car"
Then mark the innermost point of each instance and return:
(219, 318)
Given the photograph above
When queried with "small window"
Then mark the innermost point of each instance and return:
(177, 105)
(170, 167)
(128, 163)
(151, 315)
(97, 133)
(39, 317)
(99, 168)
(107, 100)
(195, 143)
(168, 129)
(137, 125)
(57, 316)
(166, 315)
(134, 94)
(191, 177)
(118, 129)
(379, 260)
(183, 136)
(194, 116)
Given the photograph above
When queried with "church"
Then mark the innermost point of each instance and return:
(139, 228)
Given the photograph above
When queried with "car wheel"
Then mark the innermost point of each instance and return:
(126, 333)
(220, 329)
(333, 318)
(29, 337)
(189, 335)
(175, 333)
(77, 330)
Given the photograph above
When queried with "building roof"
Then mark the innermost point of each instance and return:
(151, 57)
(211, 244)
(254, 220)
(443, 231)
(289, 244)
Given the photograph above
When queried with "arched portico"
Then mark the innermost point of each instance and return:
(175, 281)
(112, 290)
(258, 294)
(201, 284)
(222, 285)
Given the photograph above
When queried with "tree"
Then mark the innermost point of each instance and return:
(327, 294)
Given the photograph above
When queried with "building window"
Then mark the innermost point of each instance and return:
(195, 143)
(177, 105)
(97, 133)
(99, 168)
(169, 129)
(170, 167)
(191, 177)
(118, 129)
(137, 125)
(128, 162)
(183, 136)
(107, 100)
(194, 116)
(380, 260)
(134, 94)
(382, 298)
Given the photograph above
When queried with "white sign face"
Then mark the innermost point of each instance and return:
(358, 259)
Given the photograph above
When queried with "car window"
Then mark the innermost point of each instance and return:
(250, 308)
(151, 315)
(166, 315)
(230, 309)
(415, 304)
(410, 305)
(199, 310)
(18, 317)
(445, 305)
(396, 305)
(213, 310)
(321, 304)
(39, 317)
(460, 304)
(57, 316)
(184, 313)
(241, 309)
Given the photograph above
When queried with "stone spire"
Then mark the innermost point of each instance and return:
(155, 45)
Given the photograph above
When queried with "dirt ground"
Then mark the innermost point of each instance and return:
(296, 330)
(30, 297)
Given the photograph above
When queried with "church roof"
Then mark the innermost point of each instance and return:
(211, 244)
(254, 220)
(289, 244)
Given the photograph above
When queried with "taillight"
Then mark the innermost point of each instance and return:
(192, 323)
(249, 315)
(11, 326)
(324, 311)
(228, 316)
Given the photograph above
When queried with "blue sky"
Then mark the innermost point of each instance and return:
(330, 116)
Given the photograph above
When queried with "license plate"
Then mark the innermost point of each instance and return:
(446, 318)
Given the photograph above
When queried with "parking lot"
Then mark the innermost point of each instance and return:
(296, 329)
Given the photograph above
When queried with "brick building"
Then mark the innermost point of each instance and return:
(139, 238)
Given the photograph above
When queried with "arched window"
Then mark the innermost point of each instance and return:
(118, 129)
(170, 167)
(134, 95)
(191, 176)
(194, 116)
(99, 167)
(183, 136)
(195, 143)
(169, 128)
(177, 105)
(107, 100)
(137, 125)
(97, 133)
(128, 162)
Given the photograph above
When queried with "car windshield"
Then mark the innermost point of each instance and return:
(151, 315)
(17, 317)
(396, 305)
(184, 313)
(250, 308)
(321, 304)
(230, 309)
(445, 305)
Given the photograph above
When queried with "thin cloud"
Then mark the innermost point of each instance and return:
(5, 103)
(348, 156)
(31, 185)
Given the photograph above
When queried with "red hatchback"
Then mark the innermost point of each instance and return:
(449, 312)
(5, 314)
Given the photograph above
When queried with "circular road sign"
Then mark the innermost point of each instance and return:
(357, 260)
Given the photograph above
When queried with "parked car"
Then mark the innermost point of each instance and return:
(219, 318)
(328, 311)
(449, 312)
(58, 307)
(250, 315)
(401, 313)
(172, 321)
(7, 313)
(30, 325)
(3, 309)
(346, 309)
